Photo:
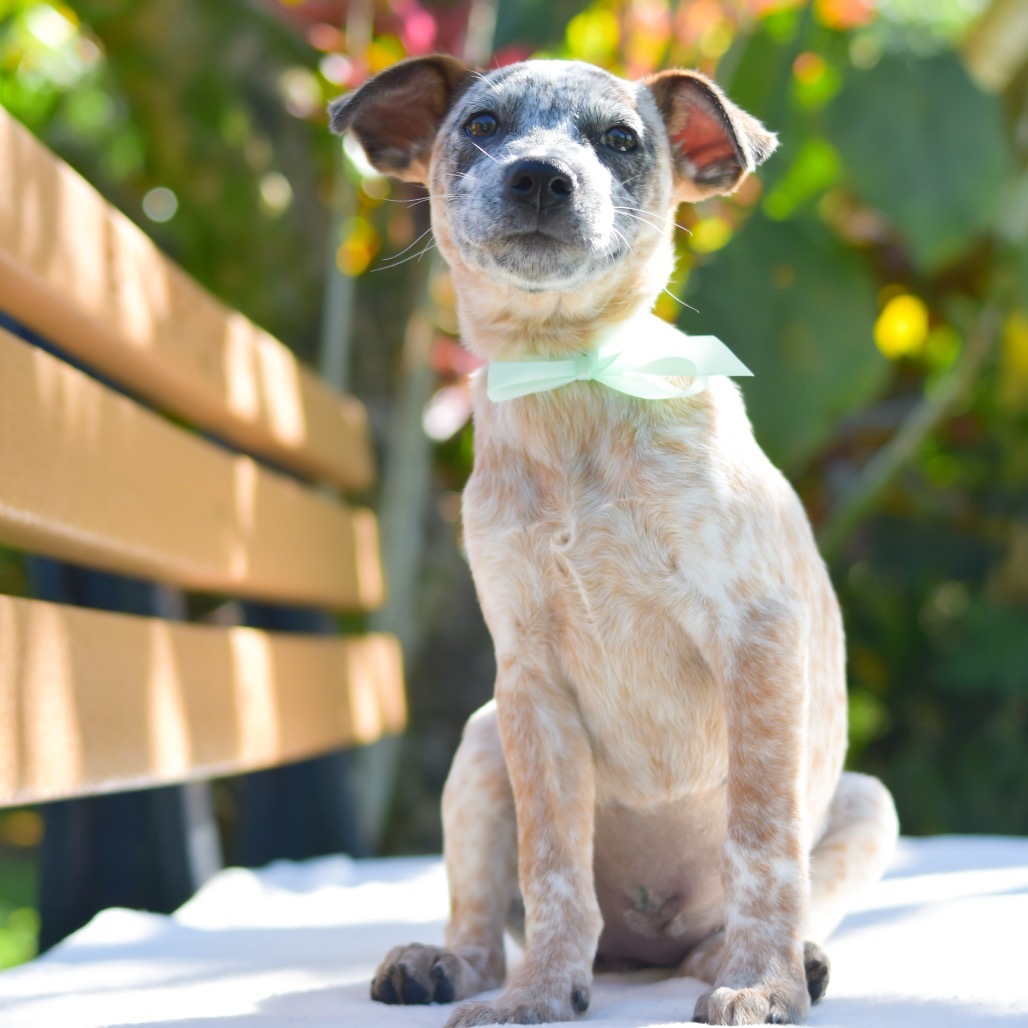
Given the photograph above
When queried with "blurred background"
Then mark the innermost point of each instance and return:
(874, 275)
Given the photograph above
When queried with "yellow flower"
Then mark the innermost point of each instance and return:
(902, 327)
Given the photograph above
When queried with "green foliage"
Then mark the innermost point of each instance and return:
(798, 307)
(19, 929)
(19, 922)
(924, 146)
(984, 648)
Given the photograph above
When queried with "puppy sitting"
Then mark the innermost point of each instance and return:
(659, 779)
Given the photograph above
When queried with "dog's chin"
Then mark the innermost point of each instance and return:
(538, 262)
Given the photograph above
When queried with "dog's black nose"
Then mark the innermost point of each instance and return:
(539, 184)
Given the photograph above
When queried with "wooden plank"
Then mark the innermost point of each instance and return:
(81, 274)
(98, 702)
(89, 476)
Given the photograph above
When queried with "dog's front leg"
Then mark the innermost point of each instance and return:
(551, 770)
(766, 879)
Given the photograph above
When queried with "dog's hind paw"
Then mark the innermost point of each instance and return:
(818, 969)
(706, 959)
(423, 974)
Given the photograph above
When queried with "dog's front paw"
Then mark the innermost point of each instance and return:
(424, 974)
(777, 1004)
(522, 1006)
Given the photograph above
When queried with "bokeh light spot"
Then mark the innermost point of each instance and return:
(160, 204)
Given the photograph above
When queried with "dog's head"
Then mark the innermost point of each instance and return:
(554, 176)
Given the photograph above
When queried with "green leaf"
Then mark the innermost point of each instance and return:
(813, 169)
(798, 308)
(989, 653)
(1021, 281)
(925, 146)
(757, 74)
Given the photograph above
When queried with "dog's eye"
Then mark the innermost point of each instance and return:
(620, 138)
(484, 124)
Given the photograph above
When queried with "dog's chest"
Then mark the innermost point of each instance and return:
(583, 556)
(600, 525)
(648, 700)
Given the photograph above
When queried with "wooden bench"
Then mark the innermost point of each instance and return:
(147, 430)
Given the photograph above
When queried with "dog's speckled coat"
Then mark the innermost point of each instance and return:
(659, 780)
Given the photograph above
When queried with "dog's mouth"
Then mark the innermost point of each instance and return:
(539, 240)
(545, 257)
(539, 259)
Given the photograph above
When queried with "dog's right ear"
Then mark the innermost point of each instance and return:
(397, 114)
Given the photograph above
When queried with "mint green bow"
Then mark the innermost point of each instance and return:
(635, 358)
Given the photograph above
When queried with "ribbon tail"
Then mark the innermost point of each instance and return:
(648, 386)
(675, 366)
(659, 348)
(508, 381)
(711, 357)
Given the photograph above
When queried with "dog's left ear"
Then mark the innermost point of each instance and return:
(714, 143)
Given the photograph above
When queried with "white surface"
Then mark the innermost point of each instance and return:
(943, 941)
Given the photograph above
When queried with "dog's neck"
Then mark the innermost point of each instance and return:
(506, 323)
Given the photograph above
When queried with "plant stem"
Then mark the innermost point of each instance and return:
(937, 404)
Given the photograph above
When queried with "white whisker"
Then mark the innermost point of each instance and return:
(678, 299)
(421, 199)
(649, 214)
(396, 256)
(486, 152)
(390, 263)
(659, 229)
(631, 178)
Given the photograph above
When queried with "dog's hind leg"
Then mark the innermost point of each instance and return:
(852, 853)
(480, 847)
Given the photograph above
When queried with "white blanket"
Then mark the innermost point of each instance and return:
(943, 941)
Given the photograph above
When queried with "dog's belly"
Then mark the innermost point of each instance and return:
(658, 879)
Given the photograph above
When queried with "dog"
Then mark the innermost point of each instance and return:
(659, 778)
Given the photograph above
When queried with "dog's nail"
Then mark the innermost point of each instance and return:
(580, 1000)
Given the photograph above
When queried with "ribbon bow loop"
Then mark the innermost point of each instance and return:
(636, 358)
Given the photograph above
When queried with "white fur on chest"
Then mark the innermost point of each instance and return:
(651, 706)
(588, 545)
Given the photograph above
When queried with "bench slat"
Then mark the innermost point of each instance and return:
(79, 272)
(97, 702)
(89, 476)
